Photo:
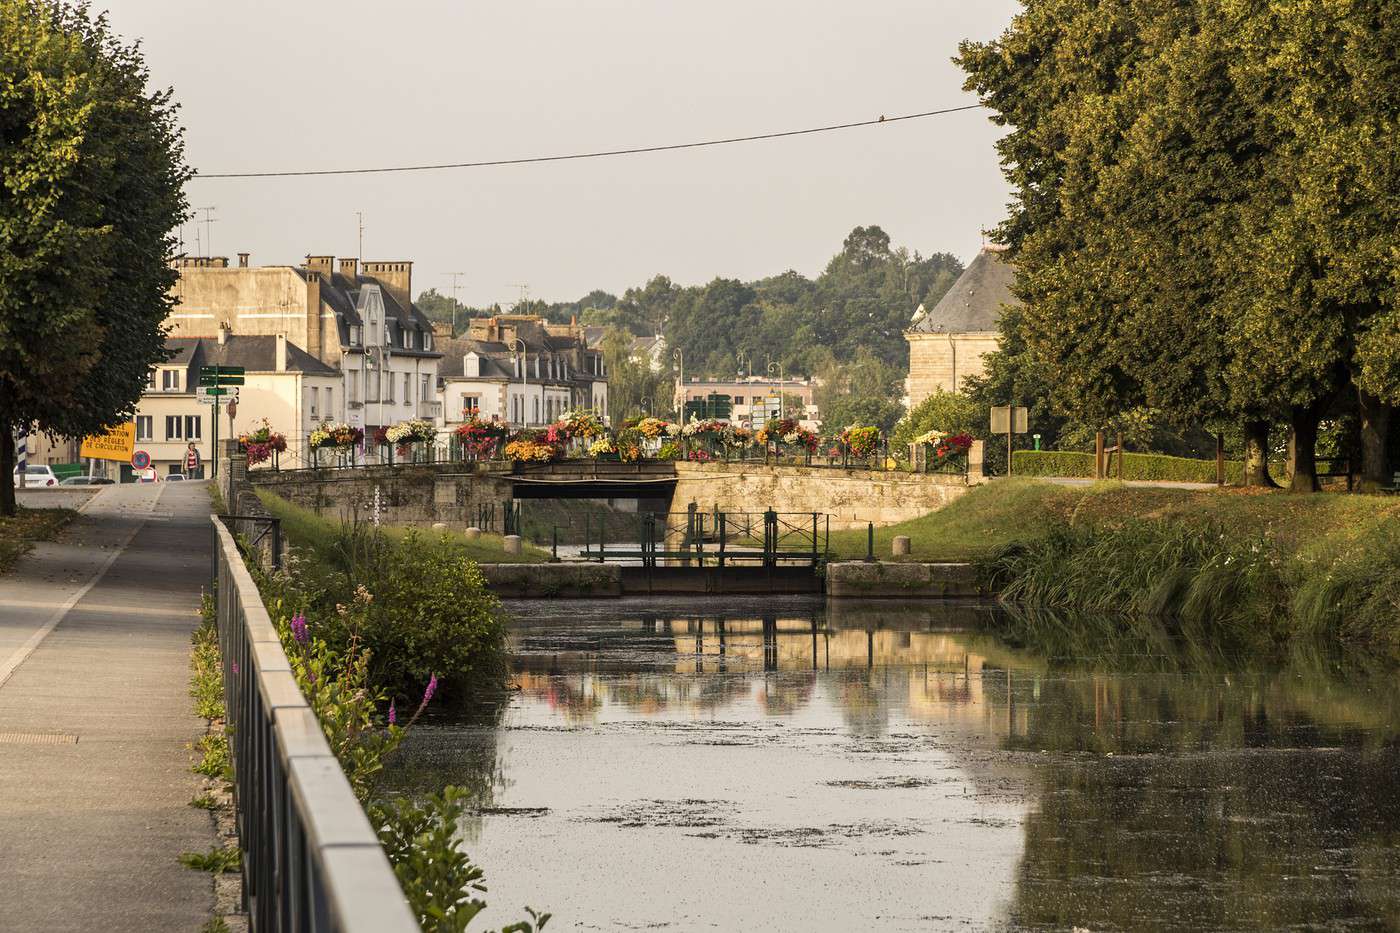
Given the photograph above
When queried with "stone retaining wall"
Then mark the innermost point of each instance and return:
(904, 580)
(408, 495)
(851, 497)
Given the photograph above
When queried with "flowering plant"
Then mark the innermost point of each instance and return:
(603, 445)
(788, 431)
(700, 456)
(336, 434)
(629, 445)
(953, 446)
(531, 449)
(581, 422)
(408, 432)
(652, 428)
(860, 440)
(930, 437)
(481, 437)
(259, 443)
(711, 427)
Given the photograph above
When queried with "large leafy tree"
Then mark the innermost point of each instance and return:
(91, 170)
(1205, 220)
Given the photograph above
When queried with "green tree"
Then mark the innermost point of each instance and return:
(948, 412)
(92, 174)
(633, 389)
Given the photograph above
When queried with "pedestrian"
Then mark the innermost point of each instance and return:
(192, 462)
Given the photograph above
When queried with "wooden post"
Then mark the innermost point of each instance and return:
(1098, 455)
(1220, 459)
(1120, 456)
(1010, 423)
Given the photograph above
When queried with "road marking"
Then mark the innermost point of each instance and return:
(25, 650)
(37, 738)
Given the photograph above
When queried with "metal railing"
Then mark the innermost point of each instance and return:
(311, 859)
(708, 539)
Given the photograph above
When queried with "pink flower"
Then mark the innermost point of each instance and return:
(235, 667)
(431, 688)
(393, 714)
(299, 628)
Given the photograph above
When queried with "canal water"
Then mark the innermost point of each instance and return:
(794, 765)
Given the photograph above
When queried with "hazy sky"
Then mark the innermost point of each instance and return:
(317, 84)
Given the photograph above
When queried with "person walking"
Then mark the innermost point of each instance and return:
(193, 465)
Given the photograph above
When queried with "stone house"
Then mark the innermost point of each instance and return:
(519, 369)
(357, 318)
(947, 344)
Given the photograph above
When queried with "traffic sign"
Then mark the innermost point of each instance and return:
(221, 375)
(140, 460)
(221, 370)
(220, 380)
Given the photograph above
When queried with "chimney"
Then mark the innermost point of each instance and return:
(281, 366)
(442, 330)
(313, 315)
(349, 268)
(242, 260)
(223, 333)
(322, 264)
(396, 277)
(218, 262)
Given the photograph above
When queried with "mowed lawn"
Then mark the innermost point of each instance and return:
(1009, 510)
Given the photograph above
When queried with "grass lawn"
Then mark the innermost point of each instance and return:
(1018, 509)
(304, 528)
(18, 534)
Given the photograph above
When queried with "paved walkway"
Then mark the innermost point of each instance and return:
(94, 644)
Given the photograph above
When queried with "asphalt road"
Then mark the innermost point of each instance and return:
(96, 720)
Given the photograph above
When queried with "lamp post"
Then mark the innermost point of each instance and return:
(646, 403)
(524, 379)
(778, 366)
(679, 356)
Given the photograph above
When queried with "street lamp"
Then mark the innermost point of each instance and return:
(646, 403)
(524, 379)
(778, 365)
(679, 356)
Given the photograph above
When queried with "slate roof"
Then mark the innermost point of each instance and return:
(254, 353)
(495, 358)
(973, 304)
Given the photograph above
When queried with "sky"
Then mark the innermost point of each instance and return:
(313, 84)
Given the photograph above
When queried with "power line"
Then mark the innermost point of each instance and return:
(591, 155)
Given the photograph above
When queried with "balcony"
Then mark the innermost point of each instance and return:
(429, 409)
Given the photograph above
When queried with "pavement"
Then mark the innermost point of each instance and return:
(96, 721)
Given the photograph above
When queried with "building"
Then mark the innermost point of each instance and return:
(521, 370)
(356, 318)
(947, 344)
(754, 398)
(651, 351)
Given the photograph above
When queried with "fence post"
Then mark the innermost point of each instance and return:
(770, 537)
(870, 543)
(814, 539)
(277, 544)
(1121, 452)
(1098, 455)
(555, 549)
(721, 523)
(1220, 459)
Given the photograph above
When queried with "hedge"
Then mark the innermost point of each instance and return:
(1135, 466)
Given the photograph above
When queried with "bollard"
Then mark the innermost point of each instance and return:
(512, 544)
(472, 533)
(900, 546)
(870, 543)
(554, 550)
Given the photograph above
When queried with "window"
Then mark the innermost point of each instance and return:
(313, 394)
(151, 380)
(144, 428)
(172, 380)
(427, 340)
(536, 407)
(471, 406)
(424, 388)
(408, 388)
(174, 428)
(352, 385)
(330, 402)
(389, 388)
(354, 335)
(194, 428)
(738, 400)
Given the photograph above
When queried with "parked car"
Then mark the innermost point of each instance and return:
(87, 481)
(175, 478)
(37, 475)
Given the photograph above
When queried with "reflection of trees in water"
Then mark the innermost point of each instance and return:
(785, 693)
(1232, 800)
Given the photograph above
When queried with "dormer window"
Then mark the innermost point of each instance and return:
(172, 380)
(427, 340)
(354, 335)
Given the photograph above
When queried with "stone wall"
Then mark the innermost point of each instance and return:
(408, 495)
(851, 497)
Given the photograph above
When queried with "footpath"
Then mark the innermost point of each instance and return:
(96, 719)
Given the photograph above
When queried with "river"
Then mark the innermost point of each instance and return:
(797, 766)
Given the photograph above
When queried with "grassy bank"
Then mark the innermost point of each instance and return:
(20, 533)
(1238, 564)
(321, 534)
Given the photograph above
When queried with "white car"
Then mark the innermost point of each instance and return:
(36, 475)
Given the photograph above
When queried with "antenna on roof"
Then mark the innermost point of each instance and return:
(360, 222)
(208, 231)
(455, 276)
(524, 294)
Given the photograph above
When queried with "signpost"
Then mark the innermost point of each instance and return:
(215, 384)
(1009, 420)
(117, 444)
(140, 461)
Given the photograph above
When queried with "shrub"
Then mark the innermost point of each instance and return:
(215, 861)
(1135, 466)
(946, 412)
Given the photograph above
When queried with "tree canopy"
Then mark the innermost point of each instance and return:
(92, 174)
(1204, 222)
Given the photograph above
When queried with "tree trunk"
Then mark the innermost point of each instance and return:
(7, 469)
(1256, 454)
(1302, 450)
(1375, 427)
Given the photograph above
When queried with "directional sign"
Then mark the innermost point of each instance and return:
(221, 370)
(220, 380)
(207, 395)
(140, 460)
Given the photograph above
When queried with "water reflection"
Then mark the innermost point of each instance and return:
(919, 767)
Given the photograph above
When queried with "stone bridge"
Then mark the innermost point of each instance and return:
(457, 493)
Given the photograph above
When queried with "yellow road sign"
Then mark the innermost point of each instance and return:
(117, 444)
